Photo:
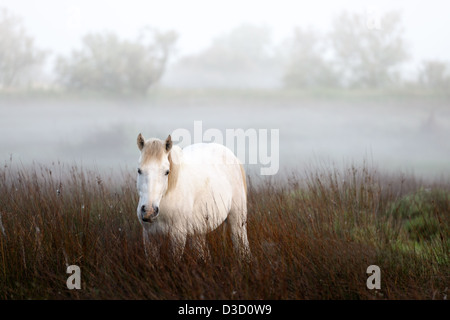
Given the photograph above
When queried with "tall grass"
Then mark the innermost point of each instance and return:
(312, 237)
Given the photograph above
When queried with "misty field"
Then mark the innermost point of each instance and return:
(398, 133)
(312, 236)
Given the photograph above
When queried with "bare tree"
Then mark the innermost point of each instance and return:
(435, 74)
(109, 64)
(18, 55)
(307, 65)
(368, 56)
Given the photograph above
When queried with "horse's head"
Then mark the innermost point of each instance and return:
(153, 175)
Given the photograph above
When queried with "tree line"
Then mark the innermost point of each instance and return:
(352, 55)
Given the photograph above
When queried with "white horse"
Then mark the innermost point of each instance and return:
(190, 191)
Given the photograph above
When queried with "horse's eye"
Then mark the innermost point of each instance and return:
(167, 172)
(139, 171)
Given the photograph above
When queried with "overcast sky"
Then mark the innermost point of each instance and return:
(58, 25)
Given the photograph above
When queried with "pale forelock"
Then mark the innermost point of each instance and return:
(153, 150)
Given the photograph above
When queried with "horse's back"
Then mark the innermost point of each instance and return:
(214, 161)
(208, 154)
(216, 169)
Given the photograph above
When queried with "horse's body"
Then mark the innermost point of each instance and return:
(190, 191)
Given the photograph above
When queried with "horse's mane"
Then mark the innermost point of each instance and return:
(175, 162)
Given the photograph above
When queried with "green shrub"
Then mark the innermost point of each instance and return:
(424, 213)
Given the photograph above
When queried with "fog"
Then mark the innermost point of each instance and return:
(251, 65)
(393, 137)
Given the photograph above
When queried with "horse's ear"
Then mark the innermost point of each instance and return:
(140, 141)
(168, 143)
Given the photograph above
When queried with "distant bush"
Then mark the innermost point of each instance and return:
(240, 58)
(368, 57)
(352, 55)
(307, 66)
(19, 57)
(435, 75)
(108, 64)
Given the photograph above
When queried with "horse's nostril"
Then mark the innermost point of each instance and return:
(148, 215)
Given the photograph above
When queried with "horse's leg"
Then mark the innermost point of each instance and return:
(151, 246)
(198, 242)
(237, 221)
(177, 244)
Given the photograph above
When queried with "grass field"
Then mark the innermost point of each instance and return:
(312, 236)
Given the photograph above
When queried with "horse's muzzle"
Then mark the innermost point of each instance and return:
(149, 214)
